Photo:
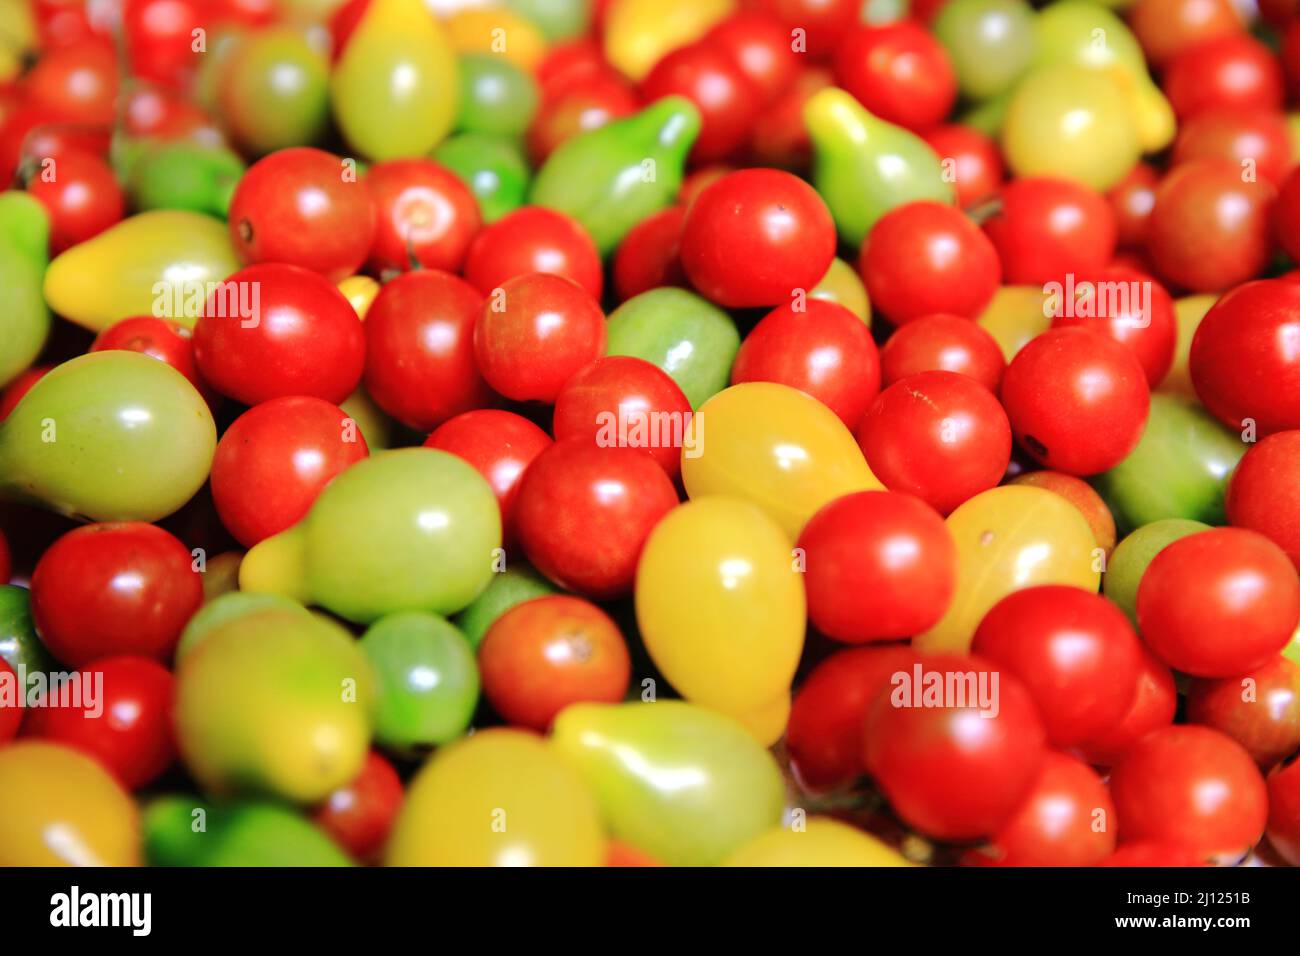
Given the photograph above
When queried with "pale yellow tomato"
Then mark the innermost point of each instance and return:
(842, 285)
(822, 841)
(639, 33)
(1189, 310)
(1014, 315)
(360, 291)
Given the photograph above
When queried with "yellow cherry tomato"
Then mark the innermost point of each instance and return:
(494, 30)
(1189, 310)
(497, 798)
(823, 841)
(360, 291)
(639, 33)
(59, 807)
(775, 446)
(842, 285)
(1014, 315)
(376, 427)
(1009, 538)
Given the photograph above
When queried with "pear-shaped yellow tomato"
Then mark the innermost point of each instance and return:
(1014, 315)
(822, 841)
(775, 446)
(767, 722)
(639, 33)
(498, 798)
(59, 807)
(1189, 310)
(395, 88)
(159, 263)
(497, 31)
(1008, 538)
(721, 609)
(842, 286)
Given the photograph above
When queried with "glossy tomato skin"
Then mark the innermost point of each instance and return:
(1219, 602)
(1284, 810)
(130, 731)
(650, 254)
(623, 400)
(942, 342)
(300, 336)
(898, 71)
(500, 445)
(1233, 72)
(545, 654)
(114, 588)
(424, 215)
(977, 162)
(1154, 705)
(1050, 227)
(274, 460)
(1077, 400)
(1080, 494)
(879, 566)
(81, 195)
(1256, 140)
(297, 206)
(77, 83)
(1190, 786)
(360, 814)
(585, 512)
(1260, 493)
(419, 334)
(940, 436)
(755, 236)
(162, 339)
(759, 46)
(1243, 362)
(1131, 200)
(822, 349)
(1260, 709)
(533, 239)
(159, 36)
(726, 98)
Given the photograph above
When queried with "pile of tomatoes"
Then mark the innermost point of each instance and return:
(637, 432)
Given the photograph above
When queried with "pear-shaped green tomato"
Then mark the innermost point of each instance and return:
(410, 529)
(25, 223)
(557, 19)
(990, 43)
(684, 784)
(1128, 562)
(1179, 469)
(185, 176)
(863, 166)
(25, 319)
(226, 607)
(491, 166)
(395, 87)
(161, 263)
(611, 178)
(19, 645)
(109, 436)
(515, 585)
(495, 96)
(274, 91)
(277, 703)
(234, 833)
(688, 337)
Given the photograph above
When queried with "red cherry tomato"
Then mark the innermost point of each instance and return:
(1190, 786)
(419, 334)
(1286, 215)
(828, 716)
(650, 254)
(1284, 810)
(81, 194)
(1261, 491)
(759, 46)
(1146, 853)
(11, 709)
(533, 239)
(899, 72)
(129, 727)
(570, 62)
(534, 333)
(360, 814)
(166, 114)
(1167, 27)
(1131, 200)
(778, 137)
(727, 99)
(977, 170)
(274, 330)
(545, 654)
(941, 342)
(76, 83)
(585, 512)
(699, 180)
(160, 38)
(1255, 139)
(162, 339)
(20, 386)
(1077, 400)
(879, 565)
(822, 349)
(424, 215)
(1153, 707)
(579, 106)
(823, 22)
(500, 445)
(114, 588)
(925, 257)
(1219, 602)
(1260, 709)
(304, 207)
(1050, 227)
(274, 460)
(1230, 72)
(755, 236)
(938, 435)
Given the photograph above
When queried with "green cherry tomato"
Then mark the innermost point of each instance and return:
(227, 607)
(237, 833)
(492, 167)
(495, 96)
(515, 585)
(25, 318)
(990, 42)
(1130, 558)
(184, 176)
(273, 92)
(19, 645)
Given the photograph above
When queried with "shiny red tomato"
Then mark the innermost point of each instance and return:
(11, 714)
(759, 46)
(585, 512)
(940, 436)
(1260, 709)
(304, 207)
(81, 195)
(1050, 227)
(359, 815)
(779, 137)
(942, 342)
(1284, 810)
(1153, 707)
(20, 386)
(1255, 139)
(579, 106)
(425, 215)
(1077, 400)
(1131, 200)
(274, 459)
(76, 83)
(726, 98)
(1147, 853)
(650, 254)
(545, 654)
(419, 334)
(823, 22)
(166, 114)
(898, 71)
(160, 38)
(698, 180)
(162, 339)
(533, 239)
(1218, 603)
(274, 330)
(115, 588)
(1190, 786)
(1229, 72)
(1261, 493)
(977, 169)
(569, 62)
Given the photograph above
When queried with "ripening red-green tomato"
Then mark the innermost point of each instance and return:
(759, 46)
(650, 254)
(942, 342)
(545, 654)
(274, 460)
(114, 588)
(820, 348)
(1050, 227)
(274, 330)
(1235, 71)
(81, 195)
(579, 106)
(424, 216)
(953, 755)
(1284, 810)
(1260, 709)
(167, 341)
(1219, 602)
(977, 169)
(898, 71)
(755, 236)
(584, 514)
(534, 333)
(419, 354)
(1131, 200)
(624, 401)
(1257, 140)
(1153, 707)
(11, 709)
(1073, 649)
(359, 815)
(1077, 400)
(129, 728)
(941, 436)
(1167, 27)
(728, 101)
(1261, 492)
(533, 239)
(304, 207)
(1190, 786)
(878, 566)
